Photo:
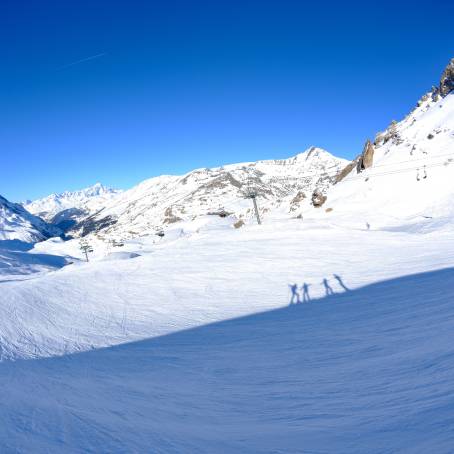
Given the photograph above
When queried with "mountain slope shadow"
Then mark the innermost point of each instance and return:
(369, 370)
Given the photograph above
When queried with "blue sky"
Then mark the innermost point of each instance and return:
(118, 92)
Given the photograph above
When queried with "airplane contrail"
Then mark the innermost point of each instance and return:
(93, 57)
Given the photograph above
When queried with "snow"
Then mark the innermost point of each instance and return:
(188, 342)
(389, 193)
(88, 201)
(16, 223)
(162, 201)
(192, 347)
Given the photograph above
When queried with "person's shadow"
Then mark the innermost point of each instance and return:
(305, 290)
(339, 281)
(328, 289)
(295, 299)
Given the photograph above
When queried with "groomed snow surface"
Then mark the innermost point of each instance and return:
(188, 344)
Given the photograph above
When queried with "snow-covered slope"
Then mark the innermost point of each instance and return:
(61, 209)
(281, 186)
(188, 343)
(16, 223)
(411, 181)
(369, 368)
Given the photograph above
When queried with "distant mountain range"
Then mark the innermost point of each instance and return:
(404, 175)
(65, 209)
(285, 184)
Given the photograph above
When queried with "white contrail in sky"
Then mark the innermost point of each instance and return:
(93, 57)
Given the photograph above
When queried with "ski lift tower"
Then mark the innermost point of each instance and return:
(85, 247)
(252, 194)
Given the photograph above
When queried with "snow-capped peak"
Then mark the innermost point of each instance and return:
(87, 200)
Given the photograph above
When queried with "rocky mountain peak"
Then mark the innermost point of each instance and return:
(447, 79)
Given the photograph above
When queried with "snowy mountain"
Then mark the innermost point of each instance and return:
(280, 185)
(16, 223)
(404, 179)
(346, 317)
(65, 209)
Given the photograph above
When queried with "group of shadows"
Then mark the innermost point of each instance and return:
(301, 294)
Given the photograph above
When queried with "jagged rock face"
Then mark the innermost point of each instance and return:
(318, 199)
(391, 136)
(296, 201)
(346, 170)
(362, 162)
(447, 79)
(411, 177)
(366, 159)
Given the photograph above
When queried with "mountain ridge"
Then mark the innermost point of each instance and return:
(16, 223)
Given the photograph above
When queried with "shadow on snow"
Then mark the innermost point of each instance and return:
(301, 294)
(368, 370)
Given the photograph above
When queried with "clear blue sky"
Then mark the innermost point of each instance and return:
(175, 85)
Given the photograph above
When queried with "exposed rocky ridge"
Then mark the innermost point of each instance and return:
(411, 176)
(366, 159)
(360, 163)
(392, 135)
(447, 79)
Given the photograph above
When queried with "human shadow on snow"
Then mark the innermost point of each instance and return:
(333, 376)
(301, 295)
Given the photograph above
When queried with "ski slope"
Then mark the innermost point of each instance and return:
(411, 184)
(191, 345)
(198, 342)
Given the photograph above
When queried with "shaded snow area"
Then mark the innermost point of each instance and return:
(20, 260)
(16, 223)
(188, 344)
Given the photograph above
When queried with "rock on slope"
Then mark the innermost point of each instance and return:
(281, 185)
(66, 209)
(16, 223)
(408, 179)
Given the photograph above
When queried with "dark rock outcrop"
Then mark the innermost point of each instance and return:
(447, 80)
(346, 170)
(92, 225)
(294, 204)
(362, 162)
(318, 199)
(366, 159)
(170, 217)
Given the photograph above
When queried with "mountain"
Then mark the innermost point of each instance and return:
(67, 208)
(281, 186)
(404, 178)
(16, 223)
